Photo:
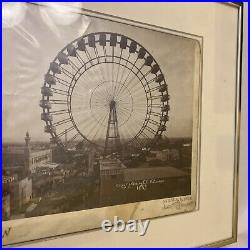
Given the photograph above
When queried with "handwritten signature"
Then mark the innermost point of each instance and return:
(139, 185)
(177, 203)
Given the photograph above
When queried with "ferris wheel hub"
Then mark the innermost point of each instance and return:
(112, 104)
(109, 95)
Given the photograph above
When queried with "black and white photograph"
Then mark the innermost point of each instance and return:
(96, 113)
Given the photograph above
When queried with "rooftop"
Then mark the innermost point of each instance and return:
(108, 164)
(152, 173)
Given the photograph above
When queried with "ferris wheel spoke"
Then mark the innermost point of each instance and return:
(140, 106)
(83, 74)
(77, 106)
(152, 80)
(139, 81)
(67, 72)
(126, 132)
(153, 122)
(124, 110)
(53, 80)
(59, 112)
(118, 70)
(83, 125)
(106, 70)
(58, 101)
(122, 85)
(138, 93)
(99, 64)
(100, 127)
(59, 91)
(72, 139)
(121, 115)
(109, 96)
(96, 55)
(156, 114)
(130, 71)
(140, 121)
(126, 84)
(101, 110)
(124, 68)
(135, 85)
(137, 141)
(102, 72)
(82, 120)
(88, 56)
(148, 62)
(80, 60)
(64, 121)
(113, 82)
(99, 103)
(105, 53)
(92, 129)
(79, 98)
(103, 94)
(151, 130)
(124, 102)
(79, 111)
(72, 64)
(65, 131)
(145, 135)
(120, 57)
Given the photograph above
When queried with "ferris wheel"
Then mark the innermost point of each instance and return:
(105, 89)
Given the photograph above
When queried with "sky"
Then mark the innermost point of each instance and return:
(29, 47)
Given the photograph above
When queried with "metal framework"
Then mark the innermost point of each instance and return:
(112, 143)
(94, 71)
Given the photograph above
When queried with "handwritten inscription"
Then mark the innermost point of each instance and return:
(139, 185)
(177, 202)
(6, 232)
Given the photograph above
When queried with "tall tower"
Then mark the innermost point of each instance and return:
(27, 151)
(27, 139)
(112, 143)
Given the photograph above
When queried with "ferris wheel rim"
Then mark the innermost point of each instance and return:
(54, 135)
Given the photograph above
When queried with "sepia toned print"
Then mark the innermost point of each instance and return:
(97, 114)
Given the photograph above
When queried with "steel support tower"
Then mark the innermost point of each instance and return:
(112, 143)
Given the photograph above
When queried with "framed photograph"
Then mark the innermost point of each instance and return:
(108, 112)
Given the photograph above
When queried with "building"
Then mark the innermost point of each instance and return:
(91, 162)
(186, 156)
(111, 173)
(25, 157)
(162, 155)
(21, 192)
(17, 193)
(119, 184)
(5, 206)
(174, 154)
(19, 161)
